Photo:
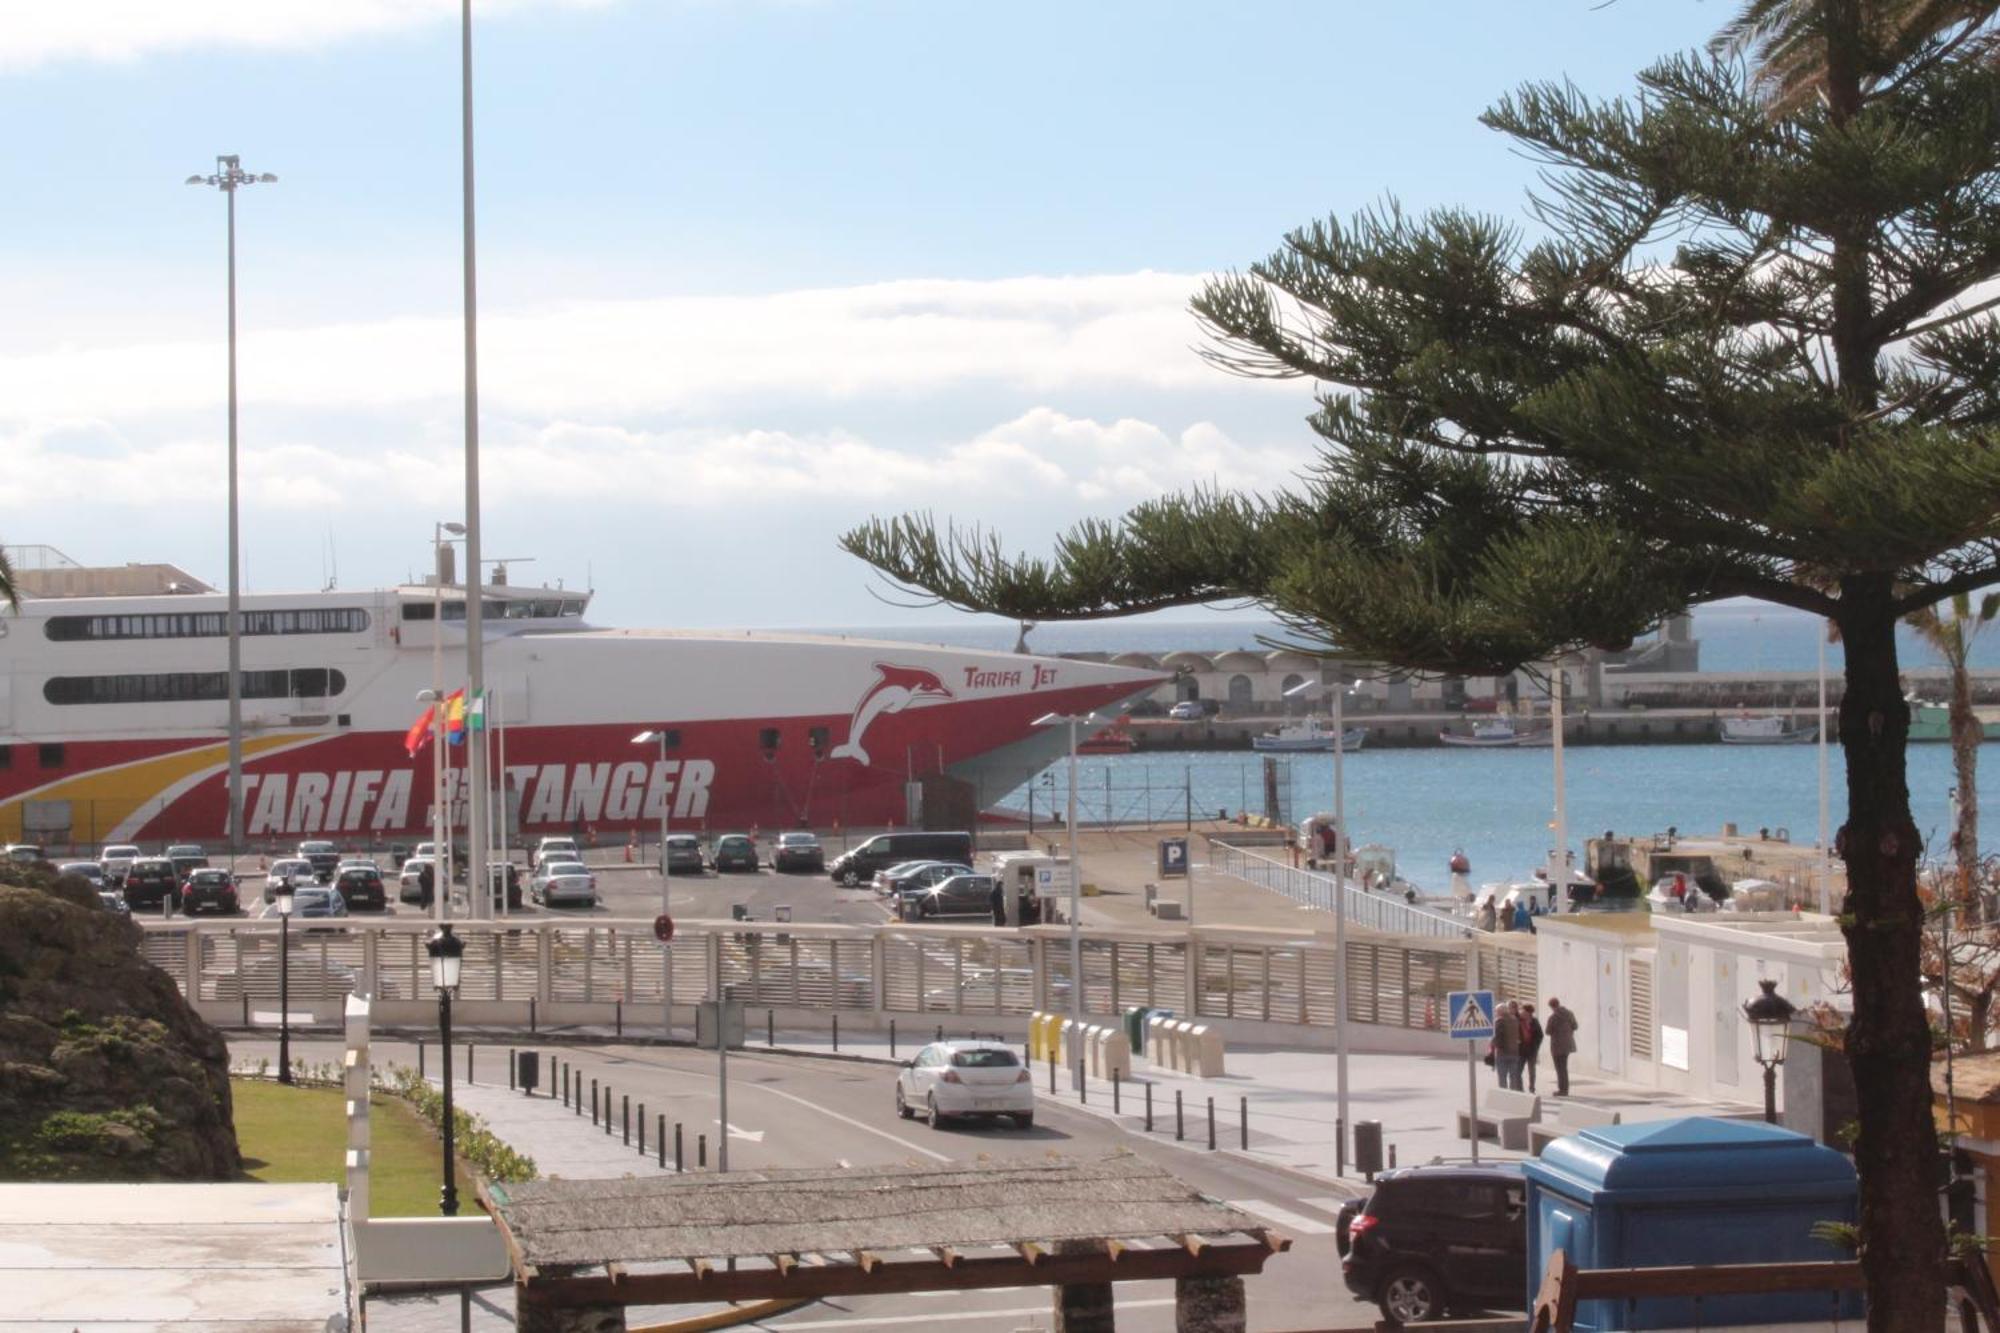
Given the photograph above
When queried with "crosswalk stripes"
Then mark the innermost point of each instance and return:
(1326, 1203)
(1283, 1218)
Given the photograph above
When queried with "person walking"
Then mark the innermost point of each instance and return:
(1523, 918)
(1531, 1042)
(1561, 1032)
(998, 900)
(1507, 1046)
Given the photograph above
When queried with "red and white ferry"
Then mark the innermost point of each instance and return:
(113, 716)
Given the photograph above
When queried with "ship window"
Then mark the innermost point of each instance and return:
(192, 686)
(205, 624)
(52, 756)
(572, 608)
(768, 739)
(6, 756)
(417, 611)
(817, 738)
(454, 610)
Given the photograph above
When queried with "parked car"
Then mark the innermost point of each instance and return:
(325, 858)
(1437, 1238)
(89, 870)
(209, 887)
(116, 859)
(417, 881)
(859, 865)
(186, 857)
(956, 895)
(684, 855)
(428, 851)
(316, 901)
(1187, 710)
(950, 1079)
(734, 851)
(916, 875)
(362, 887)
(150, 881)
(24, 853)
(294, 872)
(113, 901)
(564, 884)
(798, 851)
(556, 849)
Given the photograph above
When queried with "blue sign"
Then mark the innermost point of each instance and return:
(1469, 1015)
(1173, 858)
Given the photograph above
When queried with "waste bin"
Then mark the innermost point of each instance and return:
(1135, 1029)
(1368, 1147)
(1689, 1191)
(739, 911)
(528, 1070)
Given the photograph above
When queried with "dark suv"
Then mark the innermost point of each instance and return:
(361, 888)
(150, 881)
(1438, 1238)
(209, 886)
(684, 855)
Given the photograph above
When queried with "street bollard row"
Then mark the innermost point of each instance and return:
(564, 1073)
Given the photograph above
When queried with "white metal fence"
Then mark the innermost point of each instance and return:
(1376, 911)
(558, 972)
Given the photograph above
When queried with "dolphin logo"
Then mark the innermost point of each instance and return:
(895, 688)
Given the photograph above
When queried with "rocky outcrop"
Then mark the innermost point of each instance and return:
(105, 1073)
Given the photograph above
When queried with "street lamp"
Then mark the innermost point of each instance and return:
(228, 177)
(1074, 720)
(1340, 846)
(1770, 1017)
(666, 738)
(284, 900)
(447, 951)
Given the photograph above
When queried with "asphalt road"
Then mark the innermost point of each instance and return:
(804, 1111)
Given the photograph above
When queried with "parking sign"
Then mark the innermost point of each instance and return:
(1173, 858)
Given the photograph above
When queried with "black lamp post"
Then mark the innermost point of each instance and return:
(284, 901)
(446, 951)
(1770, 1016)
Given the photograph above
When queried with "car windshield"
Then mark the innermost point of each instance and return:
(983, 1057)
(797, 840)
(569, 868)
(184, 849)
(316, 848)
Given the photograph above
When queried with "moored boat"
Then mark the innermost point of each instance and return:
(1767, 729)
(1495, 734)
(1308, 736)
(1932, 722)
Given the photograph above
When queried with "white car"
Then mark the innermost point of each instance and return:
(117, 859)
(1187, 710)
(294, 871)
(561, 883)
(552, 850)
(948, 1079)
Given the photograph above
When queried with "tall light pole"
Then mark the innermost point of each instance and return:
(440, 861)
(475, 633)
(1075, 899)
(229, 176)
(1340, 847)
(1559, 871)
(666, 738)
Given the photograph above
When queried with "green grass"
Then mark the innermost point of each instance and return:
(300, 1134)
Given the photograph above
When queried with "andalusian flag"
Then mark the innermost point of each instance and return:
(475, 712)
(420, 731)
(454, 717)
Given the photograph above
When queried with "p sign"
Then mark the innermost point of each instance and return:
(663, 928)
(1173, 858)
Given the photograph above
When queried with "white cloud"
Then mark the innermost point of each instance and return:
(125, 30)
(607, 359)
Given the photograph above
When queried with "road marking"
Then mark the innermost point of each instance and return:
(1270, 1212)
(738, 1132)
(851, 1121)
(878, 1321)
(1326, 1202)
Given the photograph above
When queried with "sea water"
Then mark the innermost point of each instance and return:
(1497, 805)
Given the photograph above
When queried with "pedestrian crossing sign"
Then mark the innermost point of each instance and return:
(1470, 1013)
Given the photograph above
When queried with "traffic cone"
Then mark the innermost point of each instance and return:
(630, 848)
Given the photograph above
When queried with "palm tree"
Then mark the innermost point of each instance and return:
(1794, 45)
(1952, 640)
(10, 592)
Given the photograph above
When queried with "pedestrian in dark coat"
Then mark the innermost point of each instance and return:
(1561, 1032)
(1531, 1043)
(998, 900)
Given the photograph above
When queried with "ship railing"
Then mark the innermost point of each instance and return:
(531, 974)
(1370, 909)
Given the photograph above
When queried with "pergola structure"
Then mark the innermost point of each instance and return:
(584, 1250)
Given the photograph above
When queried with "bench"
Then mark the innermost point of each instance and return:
(1506, 1114)
(1575, 1116)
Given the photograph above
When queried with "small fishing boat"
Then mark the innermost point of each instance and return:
(1768, 729)
(1114, 739)
(1308, 736)
(1496, 734)
(1932, 722)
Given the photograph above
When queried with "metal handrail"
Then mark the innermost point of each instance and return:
(1376, 911)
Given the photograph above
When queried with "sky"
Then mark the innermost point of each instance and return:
(749, 271)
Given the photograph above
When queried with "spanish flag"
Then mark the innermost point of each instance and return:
(454, 717)
(420, 731)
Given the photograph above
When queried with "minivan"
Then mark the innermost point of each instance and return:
(859, 865)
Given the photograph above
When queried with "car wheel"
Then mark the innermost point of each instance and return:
(1411, 1295)
(932, 1114)
(903, 1110)
(1025, 1121)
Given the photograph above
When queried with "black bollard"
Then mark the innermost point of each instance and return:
(1243, 1120)
(420, 1057)
(618, 1017)
(661, 1136)
(510, 1068)
(1114, 1093)
(770, 1027)
(1149, 1108)
(1052, 1073)
(677, 1146)
(1180, 1121)
(642, 1129)
(607, 1110)
(836, 1032)
(625, 1117)
(593, 1101)
(531, 1015)
(1211, 1124)
(940, 1032)
(1082, 1084)
(468, 1064)
(701, 1152)
(892, 1039)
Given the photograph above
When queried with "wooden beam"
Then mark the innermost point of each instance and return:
(616, 1272)
(785, 1263)
(1192, 1243)
(867, 1260)
(701, 1269)
(946, 1255)
(1278, 1241)
(675, 1288)
(1113, 1247)
(1030, 1251)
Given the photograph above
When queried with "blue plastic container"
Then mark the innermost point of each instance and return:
(1690, 1191)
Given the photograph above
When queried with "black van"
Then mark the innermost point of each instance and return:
(859, 865)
